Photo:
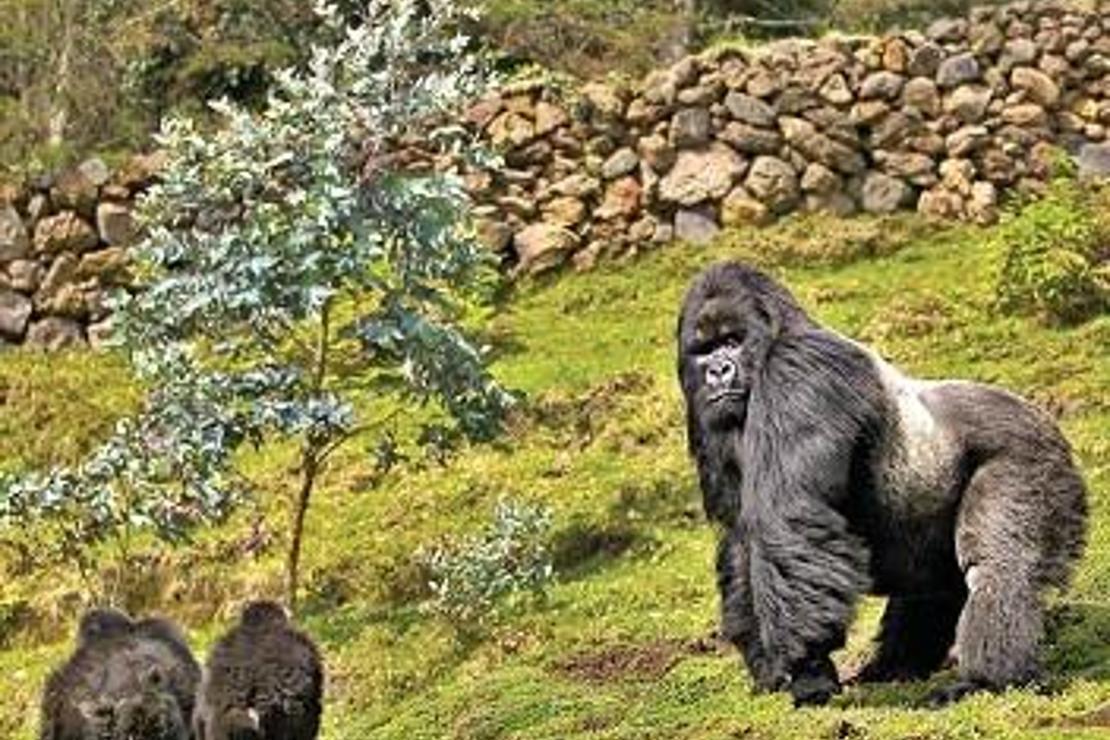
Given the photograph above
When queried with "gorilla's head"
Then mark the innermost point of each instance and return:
(103, 624)
(731, 318)
(264, 614)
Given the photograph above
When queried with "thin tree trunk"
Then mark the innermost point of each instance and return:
(309, 470)
(312, 459)
(59, 105)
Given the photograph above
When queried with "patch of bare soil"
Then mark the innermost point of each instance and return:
(644, 662)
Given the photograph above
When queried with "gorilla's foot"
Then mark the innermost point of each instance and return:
(954, 692)
(813, 690)
(881, 671)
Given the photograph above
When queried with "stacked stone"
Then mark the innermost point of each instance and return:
(941, 120)
(63, 243)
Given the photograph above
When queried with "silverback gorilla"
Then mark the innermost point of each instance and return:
(263, 681)
(833, 474)
(127, 679)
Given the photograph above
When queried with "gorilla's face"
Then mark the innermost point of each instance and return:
(725, 336)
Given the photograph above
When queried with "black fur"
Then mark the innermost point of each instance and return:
(263, 681)
(832, 475)
(126, 679)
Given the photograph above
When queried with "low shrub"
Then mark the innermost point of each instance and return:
(1055, 255)
(468, 577)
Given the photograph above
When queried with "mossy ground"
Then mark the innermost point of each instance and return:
(621, 647)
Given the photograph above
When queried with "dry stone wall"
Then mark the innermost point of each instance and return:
(63, 248)
(943, 120)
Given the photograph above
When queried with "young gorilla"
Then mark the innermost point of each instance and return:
(264, 681)
(127, 679)
(833, 474)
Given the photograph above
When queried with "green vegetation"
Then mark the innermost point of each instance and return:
(87, 76)
(272, 275)
(1057, 255)
(620, 647)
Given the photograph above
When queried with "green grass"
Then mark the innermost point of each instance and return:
(620, 647)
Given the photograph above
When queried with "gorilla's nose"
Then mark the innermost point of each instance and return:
(720, 373)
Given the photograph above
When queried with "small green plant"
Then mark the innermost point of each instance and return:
(468, 577)
(1055, 256)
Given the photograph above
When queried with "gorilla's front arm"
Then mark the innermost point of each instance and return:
(813, 412)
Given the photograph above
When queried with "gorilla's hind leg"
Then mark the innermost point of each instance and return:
(1000, 547)
(914, 637)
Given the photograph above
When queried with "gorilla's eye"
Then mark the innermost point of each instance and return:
(732, 340)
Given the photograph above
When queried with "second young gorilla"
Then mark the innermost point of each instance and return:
(263, 681)
(126, 679)
(833, 474)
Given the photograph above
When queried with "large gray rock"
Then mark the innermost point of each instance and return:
(691, 127)
(883, 194)
(1017, 52)
(958, 70)
(804, 136)
(966, 140)
(750, 139)
(914, 166)
(1094, 161)
(922, 94)
(15, 312)
(774, 182)
(14, 241)
(620, 163)
(884, 85)
(700, 175)
(924, 60)
(820, 179)
(696, 225)
(750, 110)
(543, 246)
(968, 103)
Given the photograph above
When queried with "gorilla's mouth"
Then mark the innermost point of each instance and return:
(730, 394)
(727, 409)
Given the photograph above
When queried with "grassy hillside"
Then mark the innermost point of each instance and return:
(622, 647)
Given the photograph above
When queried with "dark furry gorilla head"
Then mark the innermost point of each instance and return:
(259, 614)
(730, 319)
(103, 624)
